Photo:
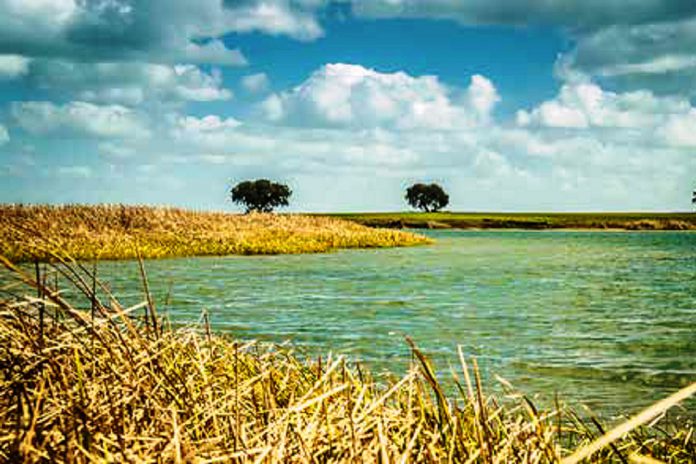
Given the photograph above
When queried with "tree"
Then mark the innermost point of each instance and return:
(260, 195)
(428, 197)
(693, 198)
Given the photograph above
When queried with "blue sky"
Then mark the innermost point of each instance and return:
(512, 106)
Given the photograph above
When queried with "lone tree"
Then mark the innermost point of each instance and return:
(260, 195)
(693, 198)
(428, 197)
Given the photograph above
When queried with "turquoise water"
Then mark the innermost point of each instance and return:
(604, 318)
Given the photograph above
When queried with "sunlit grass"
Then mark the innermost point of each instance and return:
(88, 380)
(120, 232)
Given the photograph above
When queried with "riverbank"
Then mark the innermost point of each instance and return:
(118, 384)
(122, 232)
(536, 221)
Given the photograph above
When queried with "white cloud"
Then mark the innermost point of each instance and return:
(652, 65)
(156, 30)
(77, 171)
(585, 149)
(214, 159)
(680, 130)
(116, 150)
(40, 117)
(40, 15)
(214, 52)
(655, 55)
(295, 19)
(638, 44)
(553, 114)
(210, 123)
(193, 84)
(129, 83)
(586, 105)
(498, 168)
(255, 83)
(346, 95)
(13, 66)
(581, 14)
(4, 135)
(272, 108)
(208, 133)
(483, 97)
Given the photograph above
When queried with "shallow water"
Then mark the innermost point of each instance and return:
(604, 318)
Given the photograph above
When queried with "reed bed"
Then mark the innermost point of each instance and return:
(84, 379)
(123, 232)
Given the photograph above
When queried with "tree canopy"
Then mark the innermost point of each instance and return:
(260, 195)
(427, 197)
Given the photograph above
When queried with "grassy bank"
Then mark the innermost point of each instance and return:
(88, 380)
(446, 220)
(113, 231)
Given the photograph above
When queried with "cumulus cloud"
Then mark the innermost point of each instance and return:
(592, 168)
(13, 66)
(347, 95)
(215, 52)
(586, 147)
(255, 83)
(482, 97)
(631, 41)
(660, 56)
(206, 124)
(680, 130)
(228, 141)
(293, 18)
(4, 135)
(157, 30)
(581, 14)
(128, 83)
(116, 150)
(635, 44)
(77, 171)
(209, 132)
(587, 105)
(82, 118)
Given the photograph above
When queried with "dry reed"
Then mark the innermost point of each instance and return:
(115, 231)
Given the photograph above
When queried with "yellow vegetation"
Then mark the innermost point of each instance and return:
(113, 384)
(117, 232)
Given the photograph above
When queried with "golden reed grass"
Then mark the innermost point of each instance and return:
(116, 231)
(84, 379)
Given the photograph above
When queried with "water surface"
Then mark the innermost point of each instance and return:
(604, 318)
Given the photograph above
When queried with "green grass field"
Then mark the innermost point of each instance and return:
(482, 220)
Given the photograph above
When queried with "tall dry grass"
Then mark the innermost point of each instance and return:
(120, 232)
(88, 380)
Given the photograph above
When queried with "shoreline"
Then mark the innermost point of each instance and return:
(120, 232)
(526, 221)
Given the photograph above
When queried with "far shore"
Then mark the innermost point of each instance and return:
(526, 221)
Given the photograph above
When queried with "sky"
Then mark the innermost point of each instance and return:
(510, 105)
